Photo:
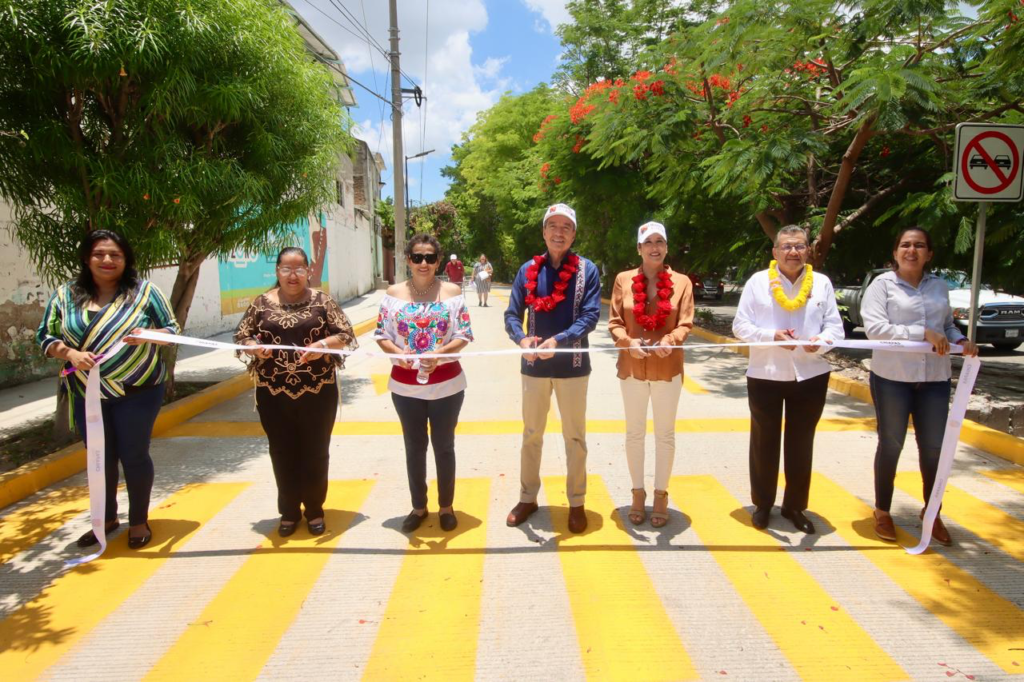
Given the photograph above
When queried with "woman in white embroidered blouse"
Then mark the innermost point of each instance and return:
(910, 303)
(425, 315)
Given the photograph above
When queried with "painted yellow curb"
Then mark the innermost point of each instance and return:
(972, 433)
(32, 477)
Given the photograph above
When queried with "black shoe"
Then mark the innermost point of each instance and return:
(413, 521)
(760, 517)
(88, 539)
(142, 540)
(286, 528)
(798, 519)
(317, 528)
(448, 521)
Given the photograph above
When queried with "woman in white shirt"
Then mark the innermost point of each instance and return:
(912, 304)
(482, 273)
(425, 315)
(787, 302)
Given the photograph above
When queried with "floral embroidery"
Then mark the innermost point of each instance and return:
(423, 327)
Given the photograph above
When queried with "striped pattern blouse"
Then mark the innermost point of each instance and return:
(98, 331)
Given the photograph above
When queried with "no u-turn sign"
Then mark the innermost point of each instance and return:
(988, 162)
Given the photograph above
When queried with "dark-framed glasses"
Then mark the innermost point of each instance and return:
(418, 258)
(786, 248)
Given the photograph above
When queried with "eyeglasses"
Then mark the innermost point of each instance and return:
(786, 248)
(287, 271)
(101, 256)
(418, 258)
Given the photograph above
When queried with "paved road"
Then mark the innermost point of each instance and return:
(218, 594)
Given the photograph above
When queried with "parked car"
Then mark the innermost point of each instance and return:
(1000, 319)
(707, 286)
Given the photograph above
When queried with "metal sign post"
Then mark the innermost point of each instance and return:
(979, 250)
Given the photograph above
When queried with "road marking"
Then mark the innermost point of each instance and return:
(496, 428)
(431, 625)
(28, 524)
(818, 637)
(380, 383)
(991, 524)
(990, 623)
(693, 386)
(239, 629)
(40, 632)
(611, 594)
(1012, 478)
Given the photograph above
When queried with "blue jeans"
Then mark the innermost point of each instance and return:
(127, 428)
(895, 402)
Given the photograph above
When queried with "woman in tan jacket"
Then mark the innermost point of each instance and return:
(652, 307)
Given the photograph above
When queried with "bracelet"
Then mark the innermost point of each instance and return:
(323, 342)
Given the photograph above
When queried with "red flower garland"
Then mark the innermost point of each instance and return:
(548, 303)
(665, 291)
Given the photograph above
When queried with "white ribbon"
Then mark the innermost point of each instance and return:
(95, 434)
(964, 386)
(95, 458)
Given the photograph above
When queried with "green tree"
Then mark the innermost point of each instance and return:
(193, 127)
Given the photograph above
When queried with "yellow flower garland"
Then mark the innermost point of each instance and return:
(775, 284)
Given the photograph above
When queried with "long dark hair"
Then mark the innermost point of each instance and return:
(293, 249)
(899, 237)
(85, 287)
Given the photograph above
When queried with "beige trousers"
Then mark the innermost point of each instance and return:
(663, 396)
(571, 395)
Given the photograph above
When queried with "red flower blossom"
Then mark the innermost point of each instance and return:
(640, 91)
(642, 76)
(764, 128)
(544, 170)
(884, 153)
(717, 81)
(747, 121)
(177, 200)
(558, 180)
(723, 20)
(580, 141)
(613, 96)
(658, 88)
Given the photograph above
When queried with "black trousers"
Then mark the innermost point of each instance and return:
(803, 402)
(299, 432)
(127, 429)
(443, 416)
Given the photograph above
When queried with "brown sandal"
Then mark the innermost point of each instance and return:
(637, 513)
(660, 519)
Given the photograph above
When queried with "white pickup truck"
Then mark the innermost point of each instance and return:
(1000, 322)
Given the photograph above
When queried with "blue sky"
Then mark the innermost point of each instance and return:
(464, 58)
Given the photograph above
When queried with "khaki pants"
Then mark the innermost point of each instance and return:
(664, 398)
(571, 395)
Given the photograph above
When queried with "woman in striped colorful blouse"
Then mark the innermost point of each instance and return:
(84, 320)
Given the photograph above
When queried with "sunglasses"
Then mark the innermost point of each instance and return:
(418, 258)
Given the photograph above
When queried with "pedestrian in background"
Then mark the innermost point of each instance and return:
(455, 270)
(482, 274)
(83, 321)
(651, 308)
(297, 391)
(912, 304)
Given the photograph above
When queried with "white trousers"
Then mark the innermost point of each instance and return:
(664, 395)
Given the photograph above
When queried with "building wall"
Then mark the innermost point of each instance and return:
(224, 289)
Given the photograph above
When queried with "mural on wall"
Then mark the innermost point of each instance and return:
(245, 276)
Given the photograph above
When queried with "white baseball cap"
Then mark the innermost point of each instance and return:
(454, 257)
(648, 229)
(562, 210)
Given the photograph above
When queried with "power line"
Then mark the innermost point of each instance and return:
(333, 65)
(373, 70)
(347, 14)
(347, 29)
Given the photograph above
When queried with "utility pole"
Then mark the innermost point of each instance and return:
(398, 188)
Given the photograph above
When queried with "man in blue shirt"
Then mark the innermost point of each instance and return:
(563, 293)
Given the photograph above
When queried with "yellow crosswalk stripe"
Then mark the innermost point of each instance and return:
(498, 428)
(987, 522)
(819, 638)
(239, 629)
(691, 385)
(431, 624)
(35, 636)
(990, 623)
(1011, 478)
(30, 523)
(610, 592)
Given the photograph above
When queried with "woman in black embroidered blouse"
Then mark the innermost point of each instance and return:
(296, 391)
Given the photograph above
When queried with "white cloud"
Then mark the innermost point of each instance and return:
(553, 11)
(455, 87)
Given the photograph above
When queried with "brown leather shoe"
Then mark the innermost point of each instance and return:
(939, 532)
(884, 527)
(520, 513)
(577, 519)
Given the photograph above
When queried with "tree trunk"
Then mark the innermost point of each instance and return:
(821, 246)
(181, 301)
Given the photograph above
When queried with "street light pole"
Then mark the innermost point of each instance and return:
(408, 202)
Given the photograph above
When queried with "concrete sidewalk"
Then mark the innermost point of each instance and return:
(27, 404)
